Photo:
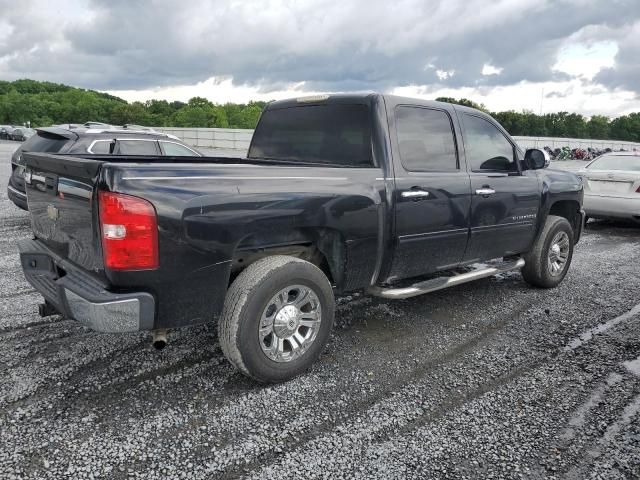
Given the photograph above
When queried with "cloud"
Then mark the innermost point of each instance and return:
(625, 73)
(319, 45)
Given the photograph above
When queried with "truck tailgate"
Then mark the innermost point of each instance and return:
(60, 193)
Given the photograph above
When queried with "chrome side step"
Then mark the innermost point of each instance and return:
(443, 282)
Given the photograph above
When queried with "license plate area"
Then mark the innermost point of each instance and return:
(606, 186)
(39, 264)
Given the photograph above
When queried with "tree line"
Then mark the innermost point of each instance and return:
(46, 103)
(562, 124)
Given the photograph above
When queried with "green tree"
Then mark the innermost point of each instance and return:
(463, 101)
(598, 127)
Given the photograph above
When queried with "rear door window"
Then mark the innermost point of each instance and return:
(137, 147)
(425, 140)
(333, 134)
(101, 147)
(176, 150)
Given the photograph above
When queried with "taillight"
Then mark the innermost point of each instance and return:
(638, 190)
(129, 230)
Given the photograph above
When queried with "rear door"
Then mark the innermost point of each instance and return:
(432, 194)
(60, 192)
(505, 200)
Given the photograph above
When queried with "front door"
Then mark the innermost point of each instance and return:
(505, 201)
(432, 194)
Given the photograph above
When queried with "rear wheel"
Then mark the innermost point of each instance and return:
(277, 318)
(548, 261)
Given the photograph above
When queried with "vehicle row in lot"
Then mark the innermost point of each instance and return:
(20, 134)
(95, 140)
(612, 186)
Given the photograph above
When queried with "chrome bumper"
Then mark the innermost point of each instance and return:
(79, 296)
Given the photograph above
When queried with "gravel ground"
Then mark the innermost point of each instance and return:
(491, 379)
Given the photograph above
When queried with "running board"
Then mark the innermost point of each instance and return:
(443, 282)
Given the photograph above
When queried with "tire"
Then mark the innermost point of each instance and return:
(539, 269)
(261, 330)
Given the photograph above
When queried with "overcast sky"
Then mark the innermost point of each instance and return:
(575, 55)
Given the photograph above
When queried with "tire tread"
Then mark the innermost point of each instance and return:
(236, 300)
(532, 272)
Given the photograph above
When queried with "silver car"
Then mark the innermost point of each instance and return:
(612, 186)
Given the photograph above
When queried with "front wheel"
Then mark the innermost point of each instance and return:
(548, 261)
(277, 318)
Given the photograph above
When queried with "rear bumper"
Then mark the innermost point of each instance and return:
(80, 296)
(612, 207)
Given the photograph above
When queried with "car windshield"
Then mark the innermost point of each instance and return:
(630, 163)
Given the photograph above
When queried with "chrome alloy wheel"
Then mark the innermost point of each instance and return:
(558, 254)
(290, 323)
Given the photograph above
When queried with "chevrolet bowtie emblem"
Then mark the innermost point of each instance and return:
(52, 212)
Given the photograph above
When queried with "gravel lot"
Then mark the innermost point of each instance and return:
(491, 379)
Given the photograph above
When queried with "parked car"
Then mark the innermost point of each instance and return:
(5, 132)
(22, 134)
(612, 186)
(342, 192)
(92, 141)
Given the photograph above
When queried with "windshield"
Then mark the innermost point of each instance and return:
(336, 134)
(44, 142)
(630, 163)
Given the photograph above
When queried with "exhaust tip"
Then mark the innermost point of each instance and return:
(159, 340)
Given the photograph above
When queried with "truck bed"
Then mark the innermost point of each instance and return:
(212, 213)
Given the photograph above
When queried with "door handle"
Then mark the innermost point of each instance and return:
(485, 191)
(415, 194)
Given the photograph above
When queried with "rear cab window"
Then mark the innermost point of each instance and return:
(333, 134)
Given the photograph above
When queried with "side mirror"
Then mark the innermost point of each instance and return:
(535, 159)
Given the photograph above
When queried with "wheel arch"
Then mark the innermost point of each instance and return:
(323, 247)
(569, 209)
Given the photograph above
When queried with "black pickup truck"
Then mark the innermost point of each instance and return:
(392, 195)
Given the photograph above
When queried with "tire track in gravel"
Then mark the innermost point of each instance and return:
(400, 381)
(454, 404)
(319, 429)
(357, 405)
(11, 333)
(359, 435)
